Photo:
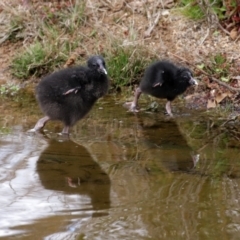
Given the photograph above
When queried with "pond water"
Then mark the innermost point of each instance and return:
(119, 175)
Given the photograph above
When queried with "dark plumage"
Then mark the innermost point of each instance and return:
(163, 79)
(69, 94)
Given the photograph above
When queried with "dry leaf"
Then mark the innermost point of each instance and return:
(229, 94)
(220, 97)
(211, 103)
(234, 34)
(70, 62)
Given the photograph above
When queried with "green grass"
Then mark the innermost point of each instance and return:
(194, 10)
(73, 17)
(191, 9)
(218, 66)
(126, 65)
(8, 89)
(41, 58)
(30, 61)
(51, 36)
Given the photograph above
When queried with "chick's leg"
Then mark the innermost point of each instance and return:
(65, 130)
(168, 108)
(132, 106)
(41, 123)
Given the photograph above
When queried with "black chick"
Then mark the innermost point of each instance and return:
(69, 94)
(163, 79)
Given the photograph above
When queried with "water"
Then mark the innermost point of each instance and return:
(119, 176)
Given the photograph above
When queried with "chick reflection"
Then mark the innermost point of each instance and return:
(171, 148)
(69, 168)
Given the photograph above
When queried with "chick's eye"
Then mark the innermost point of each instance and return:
(186, 76)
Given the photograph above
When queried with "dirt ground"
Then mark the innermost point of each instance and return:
(157, 26)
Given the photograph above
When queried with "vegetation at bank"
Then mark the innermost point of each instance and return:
(57, 34)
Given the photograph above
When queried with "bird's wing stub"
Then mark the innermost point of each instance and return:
(159, 79)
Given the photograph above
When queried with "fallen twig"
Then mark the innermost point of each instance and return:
(152, 25)
(223, 29)
(229, 120)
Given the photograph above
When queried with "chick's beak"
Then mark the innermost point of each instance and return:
(193, 81)
(102, 69)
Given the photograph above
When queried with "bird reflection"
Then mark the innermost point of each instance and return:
(69, 168)
(167, 144)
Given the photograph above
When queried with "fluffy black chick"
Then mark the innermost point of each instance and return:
(163, 79)
(69, 94)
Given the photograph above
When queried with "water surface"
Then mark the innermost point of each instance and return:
(119, 176)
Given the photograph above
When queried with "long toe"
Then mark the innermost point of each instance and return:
(130, 106)
(31, 130)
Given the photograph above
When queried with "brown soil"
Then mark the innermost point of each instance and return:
(156, 26)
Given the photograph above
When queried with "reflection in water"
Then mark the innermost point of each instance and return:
(50, 188)
(167, 145)
(69, 168)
